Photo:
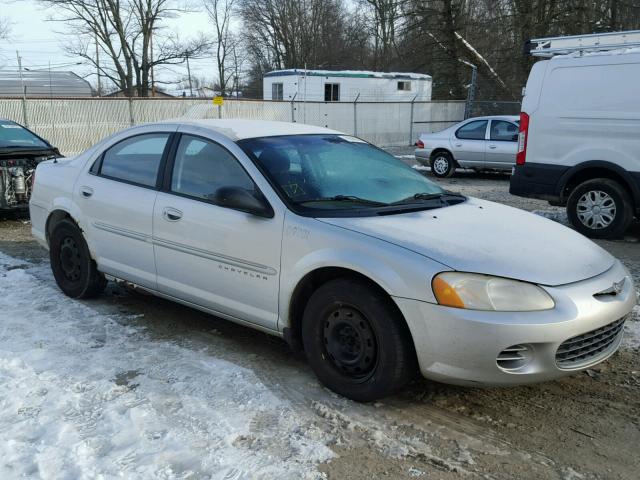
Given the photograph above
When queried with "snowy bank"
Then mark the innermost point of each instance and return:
(84, 395)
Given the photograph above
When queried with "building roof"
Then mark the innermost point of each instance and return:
(348, 73)
(43, 83)
(236, 129)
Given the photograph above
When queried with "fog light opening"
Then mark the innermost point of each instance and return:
(514, 357)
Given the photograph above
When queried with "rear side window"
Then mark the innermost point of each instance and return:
(504, 131)
(473, 130)
(136, 159)
(202, 167)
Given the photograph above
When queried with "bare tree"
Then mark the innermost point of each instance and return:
(4, 28)
(128, 34)
(220, 13)
(386, 14)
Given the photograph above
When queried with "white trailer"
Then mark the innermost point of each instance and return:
(345, 86)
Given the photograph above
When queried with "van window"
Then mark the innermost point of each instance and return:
(473, 130)
(136, 159)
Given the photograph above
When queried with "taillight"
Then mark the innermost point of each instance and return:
(420, 144)
(523, 133)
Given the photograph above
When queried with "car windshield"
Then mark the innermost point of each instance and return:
(340, 172)
(13, 135)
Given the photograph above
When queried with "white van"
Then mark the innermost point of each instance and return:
(579, 142)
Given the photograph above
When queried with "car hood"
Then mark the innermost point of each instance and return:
(485, 237)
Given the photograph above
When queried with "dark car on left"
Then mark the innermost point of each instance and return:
(20, 152)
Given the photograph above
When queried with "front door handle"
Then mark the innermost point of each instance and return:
(172, 214)
(458, 144)
(86, 192)
(493, 146)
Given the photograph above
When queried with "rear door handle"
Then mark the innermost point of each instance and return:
(493, 146)
(172, 214)
(86, 192)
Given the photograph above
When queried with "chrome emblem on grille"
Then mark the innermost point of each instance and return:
(615, 289)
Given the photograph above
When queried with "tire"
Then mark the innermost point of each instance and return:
(356, 341)
(600, 208)
(443, 165)
(73, 268)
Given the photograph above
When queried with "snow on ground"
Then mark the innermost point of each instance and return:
(84, 395)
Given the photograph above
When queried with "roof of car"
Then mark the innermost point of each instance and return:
(511, 118)
(239, 129)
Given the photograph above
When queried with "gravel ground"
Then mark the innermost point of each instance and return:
(581, 427)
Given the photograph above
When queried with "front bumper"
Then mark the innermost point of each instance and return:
(462, 346)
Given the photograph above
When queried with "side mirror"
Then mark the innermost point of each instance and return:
(243, 200)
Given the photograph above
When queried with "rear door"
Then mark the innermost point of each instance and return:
(116, 196)
(468, 143)
(503, 144)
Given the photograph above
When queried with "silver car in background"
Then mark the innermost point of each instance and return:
(479, 143)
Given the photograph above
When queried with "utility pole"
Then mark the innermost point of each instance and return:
(98, 67)
(189, 74)
(24, 91)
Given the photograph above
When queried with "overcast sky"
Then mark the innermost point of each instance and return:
(39, 42)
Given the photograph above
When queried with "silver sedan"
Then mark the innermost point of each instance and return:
(337, 247)
(479, 143)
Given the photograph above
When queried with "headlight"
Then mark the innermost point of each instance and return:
(483, 292)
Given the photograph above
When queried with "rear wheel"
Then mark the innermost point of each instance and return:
(443, 165)
(600, 208)
(73, 268)
(356, 341)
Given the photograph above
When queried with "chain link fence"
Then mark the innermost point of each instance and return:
(73, 125)
(480, 108)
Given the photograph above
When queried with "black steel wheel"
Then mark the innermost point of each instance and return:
(356, 340)
(350, 342)
(73, 268)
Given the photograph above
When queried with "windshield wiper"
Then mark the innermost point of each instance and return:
(448, 198)
(347, 198)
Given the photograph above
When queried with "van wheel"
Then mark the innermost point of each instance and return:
(443, 165)
(600, 208)
(356, 341)
(73, 268)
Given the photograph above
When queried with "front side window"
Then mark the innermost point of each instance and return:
(136, 159)
(277, 91)
(13, 135)
(337, 172)
(331, 92)
(473, 130)
(201, 167)
(504, 131)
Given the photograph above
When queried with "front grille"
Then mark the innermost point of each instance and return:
(589, 347)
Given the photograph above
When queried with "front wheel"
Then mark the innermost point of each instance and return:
(356, 341)
(443, 165)
(600, 208)
(73, 268)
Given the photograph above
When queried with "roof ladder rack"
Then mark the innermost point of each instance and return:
(596, 42)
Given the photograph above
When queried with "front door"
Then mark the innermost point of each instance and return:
(468, 144)
(116, 197)
(213, 256)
